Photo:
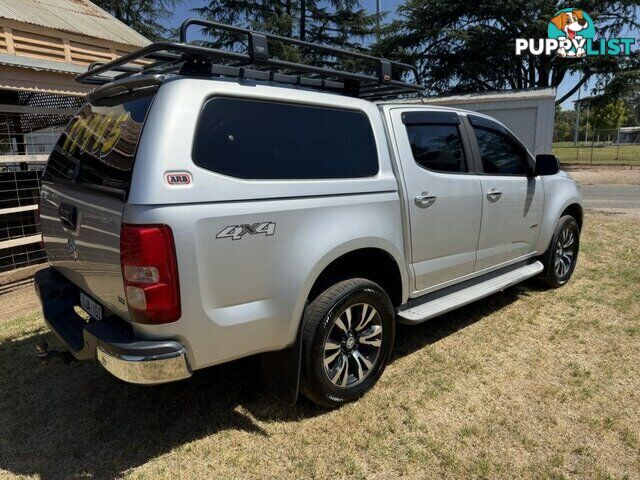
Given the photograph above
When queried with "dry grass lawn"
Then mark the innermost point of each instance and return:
(529, 383)
(611, 154)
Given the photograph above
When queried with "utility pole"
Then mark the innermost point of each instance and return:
(586, 131)
(577, 104)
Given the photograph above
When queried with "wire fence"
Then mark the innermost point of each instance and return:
(20, 244)
(14, 141)
(21, 256)
(602, 147)
(30, 125)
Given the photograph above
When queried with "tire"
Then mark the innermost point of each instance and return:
(563, 248)
(329, 322)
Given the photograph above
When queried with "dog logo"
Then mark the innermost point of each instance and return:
(573, 25)
(571, 34)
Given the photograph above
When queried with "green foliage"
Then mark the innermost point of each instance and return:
(564, 125)
(462, 46)
(632, 109)
(144, 16)
(340, 23)
(609, 116)
(624, 86)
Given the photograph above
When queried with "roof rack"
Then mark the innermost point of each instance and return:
(256, 63)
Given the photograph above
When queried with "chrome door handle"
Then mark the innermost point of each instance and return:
(425, 200)
(494, 195)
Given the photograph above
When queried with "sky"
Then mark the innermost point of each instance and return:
(182, 12)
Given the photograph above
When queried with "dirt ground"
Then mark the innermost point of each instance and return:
(17, 296)
(606, 175)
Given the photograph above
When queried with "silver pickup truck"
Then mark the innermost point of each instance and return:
(206, 213)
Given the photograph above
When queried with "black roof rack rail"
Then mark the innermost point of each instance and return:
(168, 56)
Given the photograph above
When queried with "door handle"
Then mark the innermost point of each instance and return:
(494, 195)
(425, 200)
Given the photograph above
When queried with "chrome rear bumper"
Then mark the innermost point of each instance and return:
(111, 340)
(145, 370)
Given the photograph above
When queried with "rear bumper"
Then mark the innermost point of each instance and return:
(111, 341)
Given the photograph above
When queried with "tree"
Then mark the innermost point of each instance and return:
(632, 109)
(564, 125)
(144, 16)
(462, 46)
(610, 116)
(625, 87)
(340, 23)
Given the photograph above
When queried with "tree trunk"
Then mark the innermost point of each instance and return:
(303, 19)
(288, 10)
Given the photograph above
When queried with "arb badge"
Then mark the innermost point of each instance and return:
(178, 178)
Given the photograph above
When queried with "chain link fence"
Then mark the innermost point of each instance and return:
(602, 147)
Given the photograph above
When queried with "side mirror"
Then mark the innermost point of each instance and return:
(546, 164)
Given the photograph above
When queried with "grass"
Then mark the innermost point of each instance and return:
(611, 154)
(530, 383)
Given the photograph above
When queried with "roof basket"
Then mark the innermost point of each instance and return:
(256, 63)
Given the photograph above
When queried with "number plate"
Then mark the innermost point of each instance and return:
(89, 305)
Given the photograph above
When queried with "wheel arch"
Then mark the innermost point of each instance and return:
(576, 211)
(373, 264)
(281, 369)
(561, 196)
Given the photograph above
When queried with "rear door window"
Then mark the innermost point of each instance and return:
(271, 140)
(98, 147)
(437, 147)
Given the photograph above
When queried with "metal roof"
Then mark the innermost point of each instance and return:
(482, 97)
(75, 16)
(41, 64)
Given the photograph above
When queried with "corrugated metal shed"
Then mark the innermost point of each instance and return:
(482, 97)
(76, 16)
(527, 113)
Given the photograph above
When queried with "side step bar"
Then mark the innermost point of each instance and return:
(419, 312)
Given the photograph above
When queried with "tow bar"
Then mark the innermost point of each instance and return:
(44, 354)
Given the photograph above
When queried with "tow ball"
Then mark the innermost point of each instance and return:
(44, 354)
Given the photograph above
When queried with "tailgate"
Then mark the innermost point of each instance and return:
(84, 190)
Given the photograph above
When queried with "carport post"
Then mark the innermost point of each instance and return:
(618, 147)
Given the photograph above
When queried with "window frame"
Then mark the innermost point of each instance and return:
(490, 124)
(280, 101)
(440, 118)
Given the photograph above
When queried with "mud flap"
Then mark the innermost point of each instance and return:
(280, 372)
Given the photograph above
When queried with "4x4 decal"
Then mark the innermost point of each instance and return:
(236, 232)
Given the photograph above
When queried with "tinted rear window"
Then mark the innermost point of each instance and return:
(98, 146)
(268, 140)
(437, 147)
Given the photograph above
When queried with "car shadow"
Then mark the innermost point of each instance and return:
(59, 421)
(410, 338)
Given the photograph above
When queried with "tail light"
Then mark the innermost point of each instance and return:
(150, 273)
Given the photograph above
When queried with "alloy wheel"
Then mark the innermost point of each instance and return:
(565, 252)
(353, 345)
